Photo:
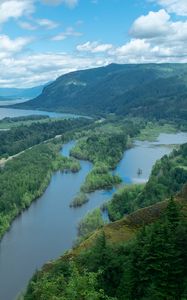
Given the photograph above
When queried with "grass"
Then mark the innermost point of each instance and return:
(152, 130)
(125, 229)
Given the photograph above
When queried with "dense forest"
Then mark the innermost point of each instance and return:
(7, 122)
(104, 145)
(150, 265)
(104, 150)
(25, 178)
(168, 176)
(155, 91)
(22, 137)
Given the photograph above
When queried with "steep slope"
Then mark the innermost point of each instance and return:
(153, 90)
(111, 263)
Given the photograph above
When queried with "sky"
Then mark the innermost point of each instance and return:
(43, 39)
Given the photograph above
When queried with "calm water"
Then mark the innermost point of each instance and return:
(12, 102)
(12, 112)
(49, 227)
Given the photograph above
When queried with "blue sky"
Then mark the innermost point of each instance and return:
(42, 39)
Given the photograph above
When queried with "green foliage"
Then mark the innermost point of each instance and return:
(123, 201)
(20, 138)
(66, 164)
(168, 176)
(90, 223)
(24, 179)
(156, 268)
(8, 123)
(79, 284)
(79, 200)
(152, 131)
(99, 178)
(106, 148)
(151, 266)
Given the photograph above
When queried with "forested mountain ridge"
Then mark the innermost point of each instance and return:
(151, 90)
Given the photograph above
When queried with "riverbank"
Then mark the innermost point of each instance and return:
(30, 173)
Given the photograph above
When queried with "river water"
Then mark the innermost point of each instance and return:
(49, 227)
(12, 113)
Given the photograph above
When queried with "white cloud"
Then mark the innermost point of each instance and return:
(15, 9)
(135, 47)
(94, 47)
(178, 7)
(69, 32)
(152, 25)
(159, 27)
(18, 8)
(30, 70)
(15, 45)
(46, 23)
(27, 25)
(155, 38)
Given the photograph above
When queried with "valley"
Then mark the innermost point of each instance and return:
(51, 216)
(96, 180)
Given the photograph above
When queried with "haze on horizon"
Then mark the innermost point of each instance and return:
(43, 39)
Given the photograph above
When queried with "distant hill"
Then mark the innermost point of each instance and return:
(14, 93)
(151, 90)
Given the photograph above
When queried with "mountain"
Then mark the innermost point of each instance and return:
(14, 93)
(151, 90)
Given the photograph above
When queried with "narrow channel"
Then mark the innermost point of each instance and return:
(49, 227)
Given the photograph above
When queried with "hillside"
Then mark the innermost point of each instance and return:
(151, 90)
(111, 263)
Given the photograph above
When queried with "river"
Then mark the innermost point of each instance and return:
(49, 227)
(12, 113)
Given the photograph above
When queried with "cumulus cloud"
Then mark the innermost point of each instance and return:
(135, 47)
(178, 7)
(8, 45)
(94, 47)
(15, 9)
(151, 25)
(30, 70)
(155, 38)
(158, 26)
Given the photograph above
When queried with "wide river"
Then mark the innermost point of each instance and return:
(49, 227)
(12, 113)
